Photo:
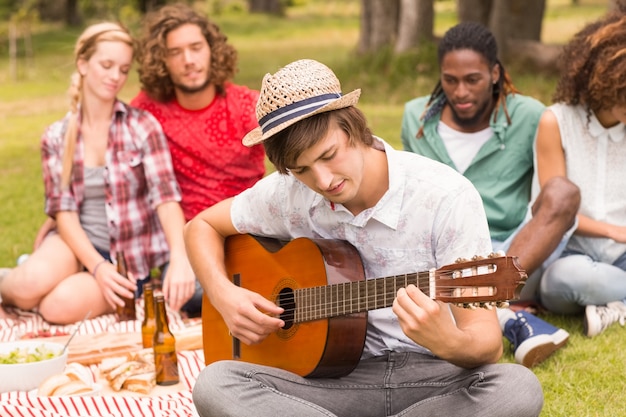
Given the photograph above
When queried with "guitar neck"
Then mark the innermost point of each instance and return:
(353, 297)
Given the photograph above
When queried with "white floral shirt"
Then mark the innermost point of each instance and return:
(429, 217)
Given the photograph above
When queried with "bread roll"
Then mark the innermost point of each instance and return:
(72, 388)
(76, 379)
(51, 384)
(78, 372)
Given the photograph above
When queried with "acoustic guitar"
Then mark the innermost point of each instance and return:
(320, 284)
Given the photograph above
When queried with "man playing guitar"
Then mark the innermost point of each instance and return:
(403, 213)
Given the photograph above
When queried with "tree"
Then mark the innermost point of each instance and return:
(72, 18)
(379, 20)
(147, 5)
(474, 11)
(417, 20)
(617, 5)
(516, 20)
(274, 7)
(402, 24)
(516, 24)
(20, 25)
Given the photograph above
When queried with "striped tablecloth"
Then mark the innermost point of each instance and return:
(172, 401)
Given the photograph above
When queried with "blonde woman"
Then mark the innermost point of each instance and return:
(109, 187)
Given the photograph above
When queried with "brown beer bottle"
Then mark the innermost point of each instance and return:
(148, 326)
(165, 359)
(127, 311)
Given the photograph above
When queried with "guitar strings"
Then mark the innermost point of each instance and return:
(315, 303)
(424, 286)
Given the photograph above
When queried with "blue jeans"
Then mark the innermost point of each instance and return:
(400, 384)
(193, 306)
(576, 280)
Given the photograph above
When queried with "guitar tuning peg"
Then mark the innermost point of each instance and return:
(502, 304)
(488, 306)
(477, 257)
(498, 254)
(461, 260)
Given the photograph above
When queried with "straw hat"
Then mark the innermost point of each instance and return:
(295, 92)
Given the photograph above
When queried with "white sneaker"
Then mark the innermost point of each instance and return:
(22, 258)
(598, 318)
(3, 273)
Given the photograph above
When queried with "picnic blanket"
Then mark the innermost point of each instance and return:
(171, 401)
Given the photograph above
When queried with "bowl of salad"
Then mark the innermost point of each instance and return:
(26, 363)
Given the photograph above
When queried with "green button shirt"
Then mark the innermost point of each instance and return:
(501, 171)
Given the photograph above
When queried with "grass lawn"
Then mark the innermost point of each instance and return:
(584, 379)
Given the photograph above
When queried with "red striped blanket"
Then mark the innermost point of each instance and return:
(172, 401)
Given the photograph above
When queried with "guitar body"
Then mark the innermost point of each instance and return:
(319, 348)
(320, 284)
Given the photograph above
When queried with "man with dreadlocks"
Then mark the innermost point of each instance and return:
(582, 136)
(476, 122)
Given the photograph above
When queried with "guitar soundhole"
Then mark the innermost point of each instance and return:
(287, 302)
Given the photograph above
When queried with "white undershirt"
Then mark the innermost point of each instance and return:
(462, 147)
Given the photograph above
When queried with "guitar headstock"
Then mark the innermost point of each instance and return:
(487, 282)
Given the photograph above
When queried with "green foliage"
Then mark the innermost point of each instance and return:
(108, 9)
(584, 379)
(219, 7)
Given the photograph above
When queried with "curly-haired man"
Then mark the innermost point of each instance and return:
(185, 68)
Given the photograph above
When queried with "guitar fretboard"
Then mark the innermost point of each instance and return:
(353, 297)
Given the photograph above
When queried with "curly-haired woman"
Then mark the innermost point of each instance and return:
(582, 136)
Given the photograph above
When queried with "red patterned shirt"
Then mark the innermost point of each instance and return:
(138, 178)
(210, 161)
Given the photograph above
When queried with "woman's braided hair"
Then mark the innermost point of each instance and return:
(478, 38)
(83, 50)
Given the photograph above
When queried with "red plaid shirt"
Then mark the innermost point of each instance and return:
(138, 178)
(210, 161)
